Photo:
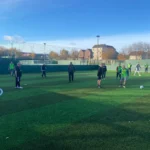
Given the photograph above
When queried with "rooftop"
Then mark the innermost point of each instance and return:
(102, 46)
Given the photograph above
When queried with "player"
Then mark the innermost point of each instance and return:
(118, 72)
(123, 77)
(71, 70)
(104, 67)
(99, 75)
(146, 68)
(127, 72)
(18, 75)
(137, 69)
(129, 68)
(43, 69)
(11, 68)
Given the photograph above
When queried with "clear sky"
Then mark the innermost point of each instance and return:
(74, 22)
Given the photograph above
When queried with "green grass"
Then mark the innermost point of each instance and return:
(51, 113)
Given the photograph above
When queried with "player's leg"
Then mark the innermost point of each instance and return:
(19, 80)
(11, 72)
(44, 74)
(99, 82)
(69, 75)
(124, 82)
(117, 74)
(72, 76)
(121, 82)
(135, 72)
(104, 75)
(139, 73)
(16, 82)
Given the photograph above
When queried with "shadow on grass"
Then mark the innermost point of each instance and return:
(62, 81)
(121, 127)
(32, 102)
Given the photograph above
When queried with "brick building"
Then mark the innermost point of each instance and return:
(85, 54)
(99, 51)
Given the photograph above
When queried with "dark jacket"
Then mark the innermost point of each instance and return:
(100, 71)
(104, 68)
(18, 71)
(43, 68)
(71, 68)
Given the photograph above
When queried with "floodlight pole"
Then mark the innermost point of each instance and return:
(147, 52)
(44, 51)
(97, 45)
(12, 48)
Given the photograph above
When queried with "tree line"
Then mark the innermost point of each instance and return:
(11, 52)
(64, 54)
(138, 48)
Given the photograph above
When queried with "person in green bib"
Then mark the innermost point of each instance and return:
(129, 67)
(146, 68)
(124, 75)
(11, 68)
(118, 72)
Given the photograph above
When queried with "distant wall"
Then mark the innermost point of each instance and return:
(57, 68)
(142, 62)
(66, 62)
(63, 67)
(50, 68)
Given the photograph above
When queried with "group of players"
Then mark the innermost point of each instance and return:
(122, 73)
(16, 71)
(71, 70)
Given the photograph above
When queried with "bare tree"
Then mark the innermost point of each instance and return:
(139, 46)
(110, 54)
(53, 55)
(32, 54)
(64, 54)
(74, 54)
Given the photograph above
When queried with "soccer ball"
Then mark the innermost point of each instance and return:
(1, 92)
(141, 86)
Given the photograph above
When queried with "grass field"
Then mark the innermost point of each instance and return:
(51, 114)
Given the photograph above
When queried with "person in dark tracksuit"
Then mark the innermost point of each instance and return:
(104, 67)
(118, 72)
(43, 69)
(18, 75)
(99, 75)
(71, 70)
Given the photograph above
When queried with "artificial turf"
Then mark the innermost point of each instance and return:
(51, 113)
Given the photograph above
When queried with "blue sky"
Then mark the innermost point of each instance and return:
(74, 22)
